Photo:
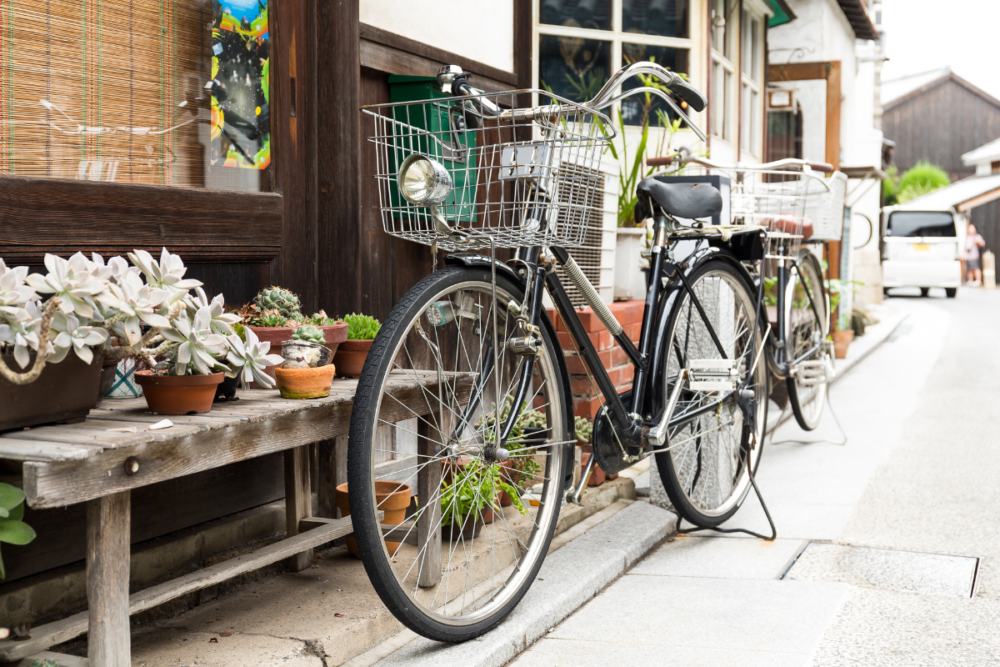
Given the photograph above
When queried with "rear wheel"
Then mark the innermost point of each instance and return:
(806, 331)
(924, 291)
(705, 466)
(950, 292)
(472, 541)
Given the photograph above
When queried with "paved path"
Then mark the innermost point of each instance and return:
(878, 539)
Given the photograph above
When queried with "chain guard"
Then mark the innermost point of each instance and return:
(607, 450)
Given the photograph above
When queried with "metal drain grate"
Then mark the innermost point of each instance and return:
(889, 569)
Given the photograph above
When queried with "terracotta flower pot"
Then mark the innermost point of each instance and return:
(512, 477)
(305, 382)
(178, 394)
(393, 498)
(842, 341)
(350, 357)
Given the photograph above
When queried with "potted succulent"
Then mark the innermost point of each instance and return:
(276, 312)
(842, 334)
(110, 311)
(469, 498)
(13, 530)
(350, 356)
(306, 371)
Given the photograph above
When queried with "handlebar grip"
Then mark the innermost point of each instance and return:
(689, 94)
(660, 161)
(822, 167)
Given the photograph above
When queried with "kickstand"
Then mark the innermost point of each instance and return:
(774, 531)
(836, 420)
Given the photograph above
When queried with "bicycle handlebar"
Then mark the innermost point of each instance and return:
(684, 156)
(454, 80)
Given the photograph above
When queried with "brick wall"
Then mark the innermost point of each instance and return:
(586, 398)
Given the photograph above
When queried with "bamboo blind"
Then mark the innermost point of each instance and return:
(110, 90)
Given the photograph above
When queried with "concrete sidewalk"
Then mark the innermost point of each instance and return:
(880, 540)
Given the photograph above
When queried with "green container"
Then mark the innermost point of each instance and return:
(447, 124)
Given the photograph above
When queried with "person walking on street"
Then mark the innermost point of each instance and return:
(973, 264)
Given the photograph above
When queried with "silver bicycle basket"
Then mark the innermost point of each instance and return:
(515, 181)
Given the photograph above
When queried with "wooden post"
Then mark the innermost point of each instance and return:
(429, 496)
(108, 549)
(326, 476)
(298, 500)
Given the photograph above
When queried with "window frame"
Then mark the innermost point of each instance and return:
(725, 127)
(615, 37)
(752, 83)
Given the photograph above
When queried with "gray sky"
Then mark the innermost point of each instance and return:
(929, 34)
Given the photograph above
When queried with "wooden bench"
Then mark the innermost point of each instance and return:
(101, 460)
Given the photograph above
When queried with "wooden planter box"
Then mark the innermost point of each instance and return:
(65, 392)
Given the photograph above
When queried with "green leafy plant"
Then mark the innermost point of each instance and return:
(921, 179)
(473, 489)
(634, 169)
(516, 441)
(890, 186)
(584, 429)
(309, 334)
(837, 289)
(361, 327)
(12, 529)
(279, 299)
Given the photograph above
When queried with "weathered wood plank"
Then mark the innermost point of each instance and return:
(32, 450)
(99, 433)
(429, 495)
(298, 500)
(55, 633)
(55, 484)
(108, 523)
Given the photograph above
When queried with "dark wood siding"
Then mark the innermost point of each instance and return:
(940, 125)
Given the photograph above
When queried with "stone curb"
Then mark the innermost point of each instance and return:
(568, 579)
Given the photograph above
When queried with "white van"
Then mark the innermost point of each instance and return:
(922, 249)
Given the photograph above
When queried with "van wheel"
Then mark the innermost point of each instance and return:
(924, 291)
(885, 291)
(950, 292)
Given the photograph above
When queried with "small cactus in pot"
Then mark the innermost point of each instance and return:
(281, 300)
(309, 334)
(351, 355)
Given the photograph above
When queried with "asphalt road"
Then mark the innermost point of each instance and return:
(888, 549)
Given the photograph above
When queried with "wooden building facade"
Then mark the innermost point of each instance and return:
(940, 122)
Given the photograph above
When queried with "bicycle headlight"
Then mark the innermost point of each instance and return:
(423, 181)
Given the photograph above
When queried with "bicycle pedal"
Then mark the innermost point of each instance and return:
(813, 373)
(713, 375)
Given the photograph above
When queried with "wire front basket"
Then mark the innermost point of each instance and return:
(516, 179)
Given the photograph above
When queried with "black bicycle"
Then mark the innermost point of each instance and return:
(472, 364)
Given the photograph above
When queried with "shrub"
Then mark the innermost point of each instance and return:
(921, 179)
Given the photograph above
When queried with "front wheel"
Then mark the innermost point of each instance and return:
(472, 538)
(950, 292)
(705, 468)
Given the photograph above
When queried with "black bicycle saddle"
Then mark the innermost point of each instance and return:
(683, 200)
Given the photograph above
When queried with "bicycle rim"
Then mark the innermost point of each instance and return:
(490, 551)
(704, 469)
(804, 331)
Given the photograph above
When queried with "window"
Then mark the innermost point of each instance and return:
(137, 91)
(752, 76)
(920, 224)
(995, 167)
(723, 68)
(582, 42)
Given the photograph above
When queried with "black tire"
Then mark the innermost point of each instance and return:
(924, 291)
(807, 402)
(704, 494)
(951, 292)
(416, 609)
